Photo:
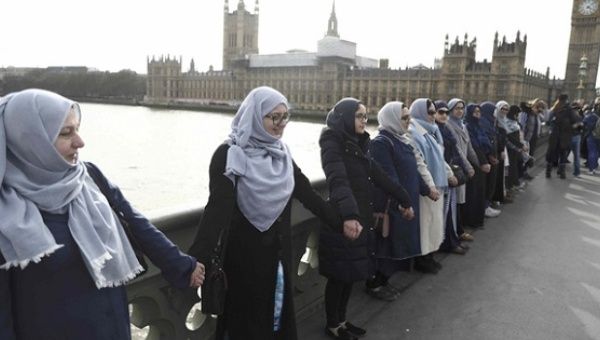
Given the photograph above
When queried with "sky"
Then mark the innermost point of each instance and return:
(120, 34)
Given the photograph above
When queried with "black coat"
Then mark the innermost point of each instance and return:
(351, 177)
(252, 256)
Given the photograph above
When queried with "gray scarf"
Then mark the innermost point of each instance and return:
(389, 119)
(262, 163)
(34, 177)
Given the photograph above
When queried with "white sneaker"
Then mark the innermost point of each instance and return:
(491, 212)
(592, 172)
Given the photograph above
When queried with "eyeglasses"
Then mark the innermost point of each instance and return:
(431, 112)
(362, 116)
(279, 118)
(442, 112)
(504, 109)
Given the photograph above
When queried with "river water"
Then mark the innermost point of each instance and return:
(160, 158)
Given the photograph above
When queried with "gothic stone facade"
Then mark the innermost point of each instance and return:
(315, 81)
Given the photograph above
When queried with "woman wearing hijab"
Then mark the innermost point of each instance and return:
(392, 149)
(487, 122)
(475, 194)
(252, 181)
(500, 110)
(456, 107)
(430, 143)
(507, 123)
(452, 157)
(65, 257)
(352, 177)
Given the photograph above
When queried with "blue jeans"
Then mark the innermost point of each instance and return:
(575, 148)
(592, 158)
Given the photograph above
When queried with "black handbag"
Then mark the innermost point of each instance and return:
(137, 249)
(214, 287)
(458, 172)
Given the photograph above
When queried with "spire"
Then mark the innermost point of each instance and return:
(496, 39)
(226, 6)
(256, 7)
(332, 24)
(241, 5)
(192, 66)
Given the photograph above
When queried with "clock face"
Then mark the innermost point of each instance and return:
(588, 7)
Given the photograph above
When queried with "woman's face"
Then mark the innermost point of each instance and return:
(69, 141)
(477, 113)
(504, 110)
(458, 111)
(360, 119)
(441, 116)
(275, 121)
(405, 118)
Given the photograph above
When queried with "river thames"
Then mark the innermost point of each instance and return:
(160, 158)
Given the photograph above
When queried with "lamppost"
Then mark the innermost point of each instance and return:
(582, 76)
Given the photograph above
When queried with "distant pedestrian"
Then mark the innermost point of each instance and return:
(562, 120)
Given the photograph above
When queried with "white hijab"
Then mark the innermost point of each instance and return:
(34, 177)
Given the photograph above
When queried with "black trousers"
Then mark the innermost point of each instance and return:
(337, 295)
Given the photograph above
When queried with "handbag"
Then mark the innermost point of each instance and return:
(382, 220)
(137, 249)
(458, 172)
(214, 288)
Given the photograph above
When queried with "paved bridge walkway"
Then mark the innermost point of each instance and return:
(532, 273)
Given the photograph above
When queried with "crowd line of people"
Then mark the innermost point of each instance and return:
(69, 239)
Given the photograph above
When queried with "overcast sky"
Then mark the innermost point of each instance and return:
(120, 34)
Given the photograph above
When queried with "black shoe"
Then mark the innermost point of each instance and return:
(356, 331)
(425, 267)
(382, 293)
(341, 334)
(527, 176)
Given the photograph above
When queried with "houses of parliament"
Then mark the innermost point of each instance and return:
(315, 81)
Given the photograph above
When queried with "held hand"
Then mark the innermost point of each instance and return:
(471, 173)
(502, 155)
(493, 160)
(352, 229)
(452, 181)
(486, 168)
(434, 194)
(197, 277)
(525, 148)
(407, 213)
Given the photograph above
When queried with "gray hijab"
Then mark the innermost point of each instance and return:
(389, 119)
(261, 162)
(34, 177)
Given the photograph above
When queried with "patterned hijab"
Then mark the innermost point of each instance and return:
(504, 123)
(261, 162)
(35, 177)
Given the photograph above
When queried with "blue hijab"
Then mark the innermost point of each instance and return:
(431, 144)
(488, 119)
(479, 139)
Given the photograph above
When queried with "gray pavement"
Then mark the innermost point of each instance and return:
(532, 273)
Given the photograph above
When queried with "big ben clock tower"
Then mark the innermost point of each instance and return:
(585, 41)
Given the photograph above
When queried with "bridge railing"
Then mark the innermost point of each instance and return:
(159, 311)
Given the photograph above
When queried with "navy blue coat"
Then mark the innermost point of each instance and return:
(398, 161)
(56, 299)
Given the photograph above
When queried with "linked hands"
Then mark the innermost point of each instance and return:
(453, 181)
(352, 229)
(434, 194)
(486, 168)
(407, 213)
(197, 277)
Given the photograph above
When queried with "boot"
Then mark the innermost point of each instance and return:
(548, 170)
(561, 171)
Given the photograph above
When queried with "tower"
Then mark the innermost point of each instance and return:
(332, 29)
(508, 63)
(240, 33)
(585, 40)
